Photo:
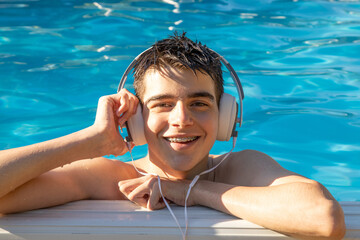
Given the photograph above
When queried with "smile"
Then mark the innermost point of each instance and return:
(181, 139)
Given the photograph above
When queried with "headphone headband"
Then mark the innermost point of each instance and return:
(233, 75)
(128, 69)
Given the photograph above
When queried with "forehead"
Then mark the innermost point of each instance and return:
(176, 82)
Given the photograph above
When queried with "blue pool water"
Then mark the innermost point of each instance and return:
(298, 61)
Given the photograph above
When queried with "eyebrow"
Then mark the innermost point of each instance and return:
(192, 95)
(202, 94)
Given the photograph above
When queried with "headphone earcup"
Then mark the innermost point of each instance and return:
(135, 127)
(227, 117)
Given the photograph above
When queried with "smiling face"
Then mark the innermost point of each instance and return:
(181, 120)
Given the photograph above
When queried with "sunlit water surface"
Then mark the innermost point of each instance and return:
(298, 62)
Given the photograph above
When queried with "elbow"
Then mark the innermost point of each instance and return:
(333, 224)
(3, 209)
(327, 217)
(7, 206)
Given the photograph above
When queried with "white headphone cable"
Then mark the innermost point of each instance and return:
(159, 183)
(196, 178)
(191, 185)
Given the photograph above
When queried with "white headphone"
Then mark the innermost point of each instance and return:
(228, 109)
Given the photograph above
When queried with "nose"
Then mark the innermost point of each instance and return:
(180, 116)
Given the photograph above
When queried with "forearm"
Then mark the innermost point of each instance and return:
(44, 191)
(299, 209)
(18, 166)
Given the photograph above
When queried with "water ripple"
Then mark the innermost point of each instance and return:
(26, 100)
(293, 72)
(78, 63)
(294, 100)
(326, 112)
(18, 5)
(344, 147)
(335, 175)
(46, 123)
(35, 30)
(315, 43)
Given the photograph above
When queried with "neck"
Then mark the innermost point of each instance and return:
(163, 170)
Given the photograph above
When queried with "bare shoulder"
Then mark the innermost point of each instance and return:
(98, 176)
(252, 168)
(102, 167)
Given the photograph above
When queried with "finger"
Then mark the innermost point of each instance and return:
(123, 105)
(138, 179)
(140, 195)
(127, 186)
(126, 115)
(156, 200)
(128, 108)
(131, 110)
(131, 98)
(124, 91)
(136, 102)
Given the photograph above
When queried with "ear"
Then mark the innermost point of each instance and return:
(227, 117)
(135, 127)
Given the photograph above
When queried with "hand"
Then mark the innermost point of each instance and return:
(113, 111)
(145, 192)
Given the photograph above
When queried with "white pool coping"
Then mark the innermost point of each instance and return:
(105, 220)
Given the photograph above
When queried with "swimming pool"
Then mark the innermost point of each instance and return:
(298, 62)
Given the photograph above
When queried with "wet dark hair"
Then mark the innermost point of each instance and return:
(180, 52)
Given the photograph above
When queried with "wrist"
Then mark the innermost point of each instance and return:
(209, 194)
(105, 142)
(197, 193)
(94, 142)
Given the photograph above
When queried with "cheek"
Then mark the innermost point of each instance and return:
(209, 122)
(153, 124)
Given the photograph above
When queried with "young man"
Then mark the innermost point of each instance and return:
(179, 84)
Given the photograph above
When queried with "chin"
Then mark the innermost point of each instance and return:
(184, 163)
(182, 166)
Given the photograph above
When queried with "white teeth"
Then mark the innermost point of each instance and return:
(181, 140)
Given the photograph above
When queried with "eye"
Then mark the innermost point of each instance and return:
(163, 105)
(199, 104)
(160, 105)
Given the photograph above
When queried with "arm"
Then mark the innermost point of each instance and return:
(298, 209)
(85, 179)
(27, 168)
(275, 198)
(18, 166)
